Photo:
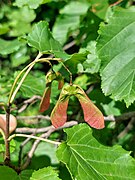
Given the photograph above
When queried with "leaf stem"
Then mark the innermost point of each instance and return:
(60, 60)
(33, 137)
(71, 81)
(2, 133)
(29, 67)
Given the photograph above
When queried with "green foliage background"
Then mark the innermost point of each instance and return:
(99, 41)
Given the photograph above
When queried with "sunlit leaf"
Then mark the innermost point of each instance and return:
(41, 38)
(116, 50)
(33, 4)
(45, 174)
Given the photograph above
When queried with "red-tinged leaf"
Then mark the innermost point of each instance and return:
(92, 114)
(59, 114)
(45, 102)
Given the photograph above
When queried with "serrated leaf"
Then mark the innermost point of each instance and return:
(8, 47)
(8, 173)
(41, 38)
(92, 63)
(45, 174)
(116, 50)
(87, 159)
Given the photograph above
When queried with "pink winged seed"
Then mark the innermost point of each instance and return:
(61, 84)
(45, 102)
(92, 114)
(59, 114)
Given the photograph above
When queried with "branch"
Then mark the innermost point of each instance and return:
(27, 102)
(45, 135)
(123, 117)
(33, 148)
(45, 129)
(69, 45)
(33, 117)
(127, 128)
(21, 149)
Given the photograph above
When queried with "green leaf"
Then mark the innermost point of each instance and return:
(41, 38)
(47, 149)
(76, 8)
(20, 21)
(92, 63)
(25, 175)
(74, 60)
(19, 57)
(63, 25)
(33, 4)
(116, 50)
(110, 109)
(100, 7)
(69, 19)
(45, 174)
(4, 28)
(8, 47)
(2, 145)
(87, 159)
(8, 173)
(33, 86)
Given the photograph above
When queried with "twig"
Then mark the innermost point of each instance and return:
(21, 148)
(28, 101)
(29, 67)
(45, 129)
(123, 117)
(116, 3)
(127, 128)
(45, 135)
(34, 146)
(69, 45)
(33, 117)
